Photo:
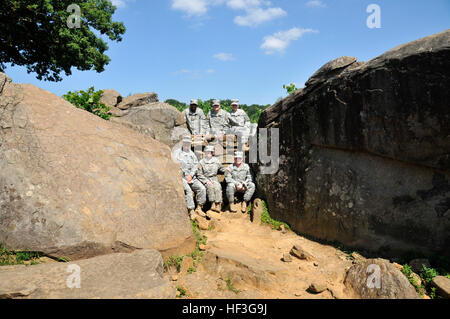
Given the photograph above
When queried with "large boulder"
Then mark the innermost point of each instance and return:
(126, 276)
(110, 98)
(75, 185)
(365, 154)
(378, 279)
(138, 99)
(443, 286)
(163, 121)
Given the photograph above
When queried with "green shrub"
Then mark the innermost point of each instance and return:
(291, 88)
(173, 261)
(427, 274)
(266, 219)
(182, 291)
(89, 101)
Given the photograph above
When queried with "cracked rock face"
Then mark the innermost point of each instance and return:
(365, 153)
(75, 185)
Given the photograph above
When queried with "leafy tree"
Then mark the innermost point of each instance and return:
(180, 106)
(36, 34)
(90, 101)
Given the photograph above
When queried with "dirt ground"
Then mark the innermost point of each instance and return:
(245, 260)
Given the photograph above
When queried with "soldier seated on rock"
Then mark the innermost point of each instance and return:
(195, 119)
(239, 178)
(189, 166)
(217, 121)
(239, 124)
(207, 172)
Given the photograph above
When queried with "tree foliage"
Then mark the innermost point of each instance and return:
(90, 101)
(35, 34)
(253, 111)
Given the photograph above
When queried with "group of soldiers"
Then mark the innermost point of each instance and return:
(201, 177)
(218, 122)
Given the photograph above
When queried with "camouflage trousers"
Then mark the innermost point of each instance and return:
(189, 190)
(214, 191)
(248, 194)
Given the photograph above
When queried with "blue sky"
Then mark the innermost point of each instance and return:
(244, 49)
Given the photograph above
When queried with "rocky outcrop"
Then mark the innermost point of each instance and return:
(378, 279)
(364, 151)
(136, 100)
(143, 113)
(126, 276)
(159, 120)
(75, 185)
(110, 98)
(442, 284)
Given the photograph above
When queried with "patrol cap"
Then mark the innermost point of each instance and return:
(194, 102)
(187, 139)
(216, 102)
(234, 102)
(239, 154)
(209, 148)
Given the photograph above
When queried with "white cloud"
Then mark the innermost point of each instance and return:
(315, 4)
(191, 7)
(121, 3)
(193, 74)
(278, 42)
(257, 16)
(245, 4)
(223, 56)
(118, 3)
(256, 11)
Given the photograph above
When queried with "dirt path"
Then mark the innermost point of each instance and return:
(249, 256)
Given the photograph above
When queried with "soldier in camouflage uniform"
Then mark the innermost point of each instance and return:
(239, 178)
(217, 120)
(239, 123)
(207, 174)
(189, 166)
(195, 119)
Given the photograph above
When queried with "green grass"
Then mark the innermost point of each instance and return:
(426, 275)
(231, 287)
(191, 270)
(182, 291)
(196, 254)
(173, 261)
(10, 257)
(266, 219)
(200, 240)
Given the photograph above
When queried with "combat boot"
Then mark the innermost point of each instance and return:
(244, 207)
(233, 207)
(191, 214)
(213, 207)
(199, 211)
(218, 207)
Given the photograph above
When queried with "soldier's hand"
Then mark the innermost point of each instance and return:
(189, 179)
(209, 183)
